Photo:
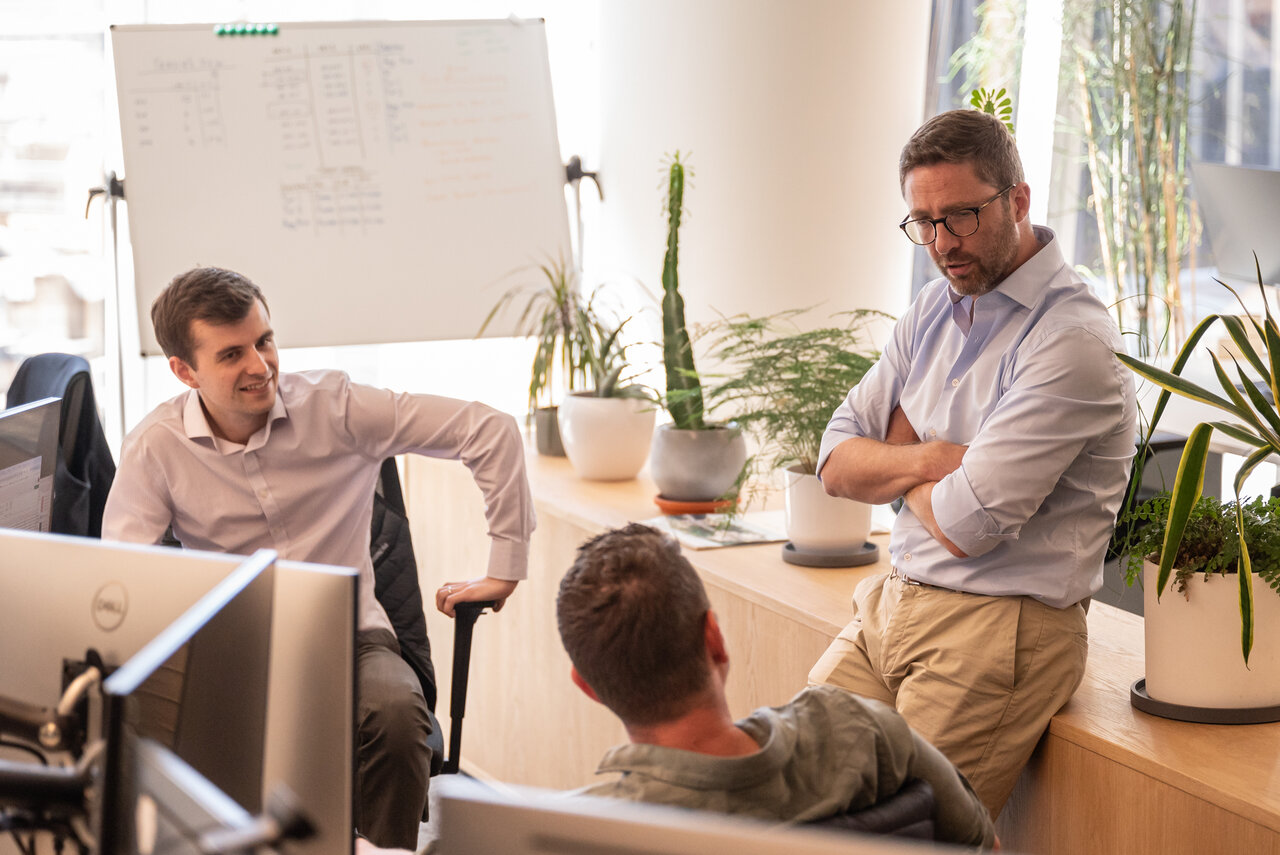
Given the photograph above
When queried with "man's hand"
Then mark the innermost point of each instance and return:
(900, 431)
(485, 588)
(920, 500)
(875, 472)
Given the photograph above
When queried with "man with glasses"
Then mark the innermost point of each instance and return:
(999, 414)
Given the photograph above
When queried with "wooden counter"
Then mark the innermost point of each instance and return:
(1106, 778)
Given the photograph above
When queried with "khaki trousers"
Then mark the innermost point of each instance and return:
(977, 676)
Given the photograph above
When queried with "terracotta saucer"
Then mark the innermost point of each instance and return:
(674, 507)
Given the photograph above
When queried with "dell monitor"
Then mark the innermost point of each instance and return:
(185, 722)
(28, 459)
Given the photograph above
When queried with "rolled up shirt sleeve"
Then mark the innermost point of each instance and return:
(487, 441)
(865, 411)
(1063, 394)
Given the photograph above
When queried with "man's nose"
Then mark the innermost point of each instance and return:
(944, 241)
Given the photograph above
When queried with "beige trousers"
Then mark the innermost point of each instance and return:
(977, 676)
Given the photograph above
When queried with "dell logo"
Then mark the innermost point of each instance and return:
(110, 604)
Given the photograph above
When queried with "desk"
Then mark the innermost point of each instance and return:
(1105, 778)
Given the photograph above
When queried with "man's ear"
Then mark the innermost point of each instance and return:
(1021, 195)
(183, 372)
(714, 640)
(582, 684)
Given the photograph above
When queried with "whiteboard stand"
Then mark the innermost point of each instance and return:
(573, 175)
(112, 192)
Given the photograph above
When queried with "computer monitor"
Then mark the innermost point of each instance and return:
(185, 721)
(1239, 205)
(64, 595)
(479, 819)
(28, 459)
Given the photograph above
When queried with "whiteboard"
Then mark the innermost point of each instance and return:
(380, 181)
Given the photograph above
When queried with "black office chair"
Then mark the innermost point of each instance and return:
(85, 467)
(397, 589)
(907, 813)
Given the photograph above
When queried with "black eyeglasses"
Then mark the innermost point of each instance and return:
(961, 223)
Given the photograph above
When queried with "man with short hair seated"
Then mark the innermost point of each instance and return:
(637, 625)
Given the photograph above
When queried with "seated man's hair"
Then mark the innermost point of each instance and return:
(632, 613)
(208, 294)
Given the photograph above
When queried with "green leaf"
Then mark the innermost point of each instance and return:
(1244, 577)
(1173, 383)
(1187, 487)
(1235, 328)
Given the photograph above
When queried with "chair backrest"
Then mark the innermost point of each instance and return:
(907, 813)
(85, 466)
(395, 573)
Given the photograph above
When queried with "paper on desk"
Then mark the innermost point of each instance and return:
(708, 531)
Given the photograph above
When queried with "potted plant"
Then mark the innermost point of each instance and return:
(1193, 667)
(1257, 425)
(607, 430)
(559, 318)
(782, 384)
(692, 461)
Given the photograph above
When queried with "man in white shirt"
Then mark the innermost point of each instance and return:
(251, 458)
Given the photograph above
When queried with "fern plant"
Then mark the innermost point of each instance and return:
(782, 383)
(1211, 539)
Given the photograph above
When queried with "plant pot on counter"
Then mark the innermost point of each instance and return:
(606, 439)
(697, 465)
(824, 531)
(1195, 670)
(546, 432)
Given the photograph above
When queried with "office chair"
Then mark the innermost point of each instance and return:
(907, 813)
(85, 467)
(398, 591)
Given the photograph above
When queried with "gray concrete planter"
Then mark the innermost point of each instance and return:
(546, 432)
(696, 465)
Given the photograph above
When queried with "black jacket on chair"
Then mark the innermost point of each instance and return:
(85, 466)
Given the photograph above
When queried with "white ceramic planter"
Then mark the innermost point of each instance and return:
(822, 524)
(606, 439)
(1193, 644)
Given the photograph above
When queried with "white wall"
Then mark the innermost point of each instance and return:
(793, 115)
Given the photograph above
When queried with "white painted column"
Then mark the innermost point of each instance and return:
(792, 115)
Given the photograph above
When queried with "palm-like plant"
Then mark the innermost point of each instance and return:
(562, 322)
(1258, 427)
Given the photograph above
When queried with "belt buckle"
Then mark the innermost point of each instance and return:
(906, 580)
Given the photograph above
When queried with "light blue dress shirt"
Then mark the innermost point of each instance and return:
(1034, 390)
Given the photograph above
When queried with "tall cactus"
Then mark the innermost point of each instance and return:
(684, 391)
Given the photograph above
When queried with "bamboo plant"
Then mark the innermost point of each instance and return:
(1129, 62)
(1257, 426)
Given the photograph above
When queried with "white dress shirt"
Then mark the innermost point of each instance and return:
(1033, 388)
(303, 484)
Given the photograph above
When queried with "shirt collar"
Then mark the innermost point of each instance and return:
(196, 423)
(1025, 285)
(703, 771)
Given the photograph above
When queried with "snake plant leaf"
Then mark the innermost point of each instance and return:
(1271, 335)
(1244, 578)
(1171, 382)
(1242, 406)
(1261, 405)
(1236, 329)
(1187, 487)
(1238, 433)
